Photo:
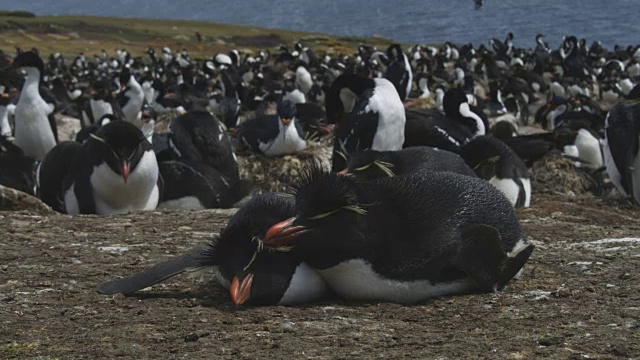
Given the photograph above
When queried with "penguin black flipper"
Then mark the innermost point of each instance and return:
(152, 275)
(54, 126)
(53, 171)
(483, 259)
(83, 192)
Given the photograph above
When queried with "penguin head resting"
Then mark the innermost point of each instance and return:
(121, 145)
(328, 211)
(252, 273)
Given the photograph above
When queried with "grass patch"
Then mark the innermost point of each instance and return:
(90, 34)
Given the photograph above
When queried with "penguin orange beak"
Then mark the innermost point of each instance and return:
(241, 290)
(124, 170)
(285, 121)
(284, 234)
(343, 173)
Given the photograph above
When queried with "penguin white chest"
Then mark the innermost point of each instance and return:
(305, 285)
(287, 142)
(99, 108)
(114, 196)
(32, 129)
(356, 279)
(386, 103)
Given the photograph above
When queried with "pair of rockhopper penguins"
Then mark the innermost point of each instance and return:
(433, 230)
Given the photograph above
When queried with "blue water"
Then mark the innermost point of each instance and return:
(411, 21)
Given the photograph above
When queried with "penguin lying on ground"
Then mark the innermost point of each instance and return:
(274, 278)
(403, 239)
(494, 161)
(371, 164)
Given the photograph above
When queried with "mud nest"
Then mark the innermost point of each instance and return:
(556, 174)
(270, 174)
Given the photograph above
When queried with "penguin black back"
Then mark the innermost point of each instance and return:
(370, 164)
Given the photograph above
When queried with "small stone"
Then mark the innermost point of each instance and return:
(550, 340)
(76, 261)
(288, 326)
(184, 228)
(191, 337)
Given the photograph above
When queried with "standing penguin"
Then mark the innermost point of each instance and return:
(274, 278)
(622, 148)
(131, 97)
(368, 114)
(399, 71)
(35, 129)
(113, 172)
(403, 239)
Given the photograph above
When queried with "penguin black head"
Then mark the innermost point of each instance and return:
(286, 111)
(327, 208)
(121, 145)
(124, 77)
(29, 59)
(259, 277)
(452, 101)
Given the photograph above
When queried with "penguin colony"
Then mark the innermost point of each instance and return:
(431, 151)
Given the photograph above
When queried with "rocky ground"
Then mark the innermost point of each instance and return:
(578, 297)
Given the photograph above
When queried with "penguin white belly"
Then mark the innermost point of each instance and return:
(132, 109)
(612, 169)
(5, 128)
(32, 129)
(100, 108)
(306, 285)
(386, 102)
(113, 196)
(71, 202)
(287, 142)
(184, 203)
(355, 279)
(509, 188)
(526, 183)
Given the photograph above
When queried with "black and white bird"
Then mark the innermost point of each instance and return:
(5, 126)
(272, 278)
(130, 97)
(399, 71)
(371, 164)
(16, 169)
(405, 238)
(35, 127)
(191, 185)
(495, 162)
(622, 148)
(101, 103)
(368, 114)
(274, 135)
(113, 172)
(459, 124)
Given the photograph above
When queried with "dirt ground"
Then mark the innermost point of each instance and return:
(578, 298)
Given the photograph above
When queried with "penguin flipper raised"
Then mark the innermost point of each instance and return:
(152, 275)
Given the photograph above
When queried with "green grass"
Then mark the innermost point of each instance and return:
(73, 34)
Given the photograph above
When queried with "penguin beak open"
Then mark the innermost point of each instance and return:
(124, 170)
(284, 234)
(241, 290)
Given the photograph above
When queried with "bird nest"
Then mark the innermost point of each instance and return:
(556, 174)
(270, 174)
